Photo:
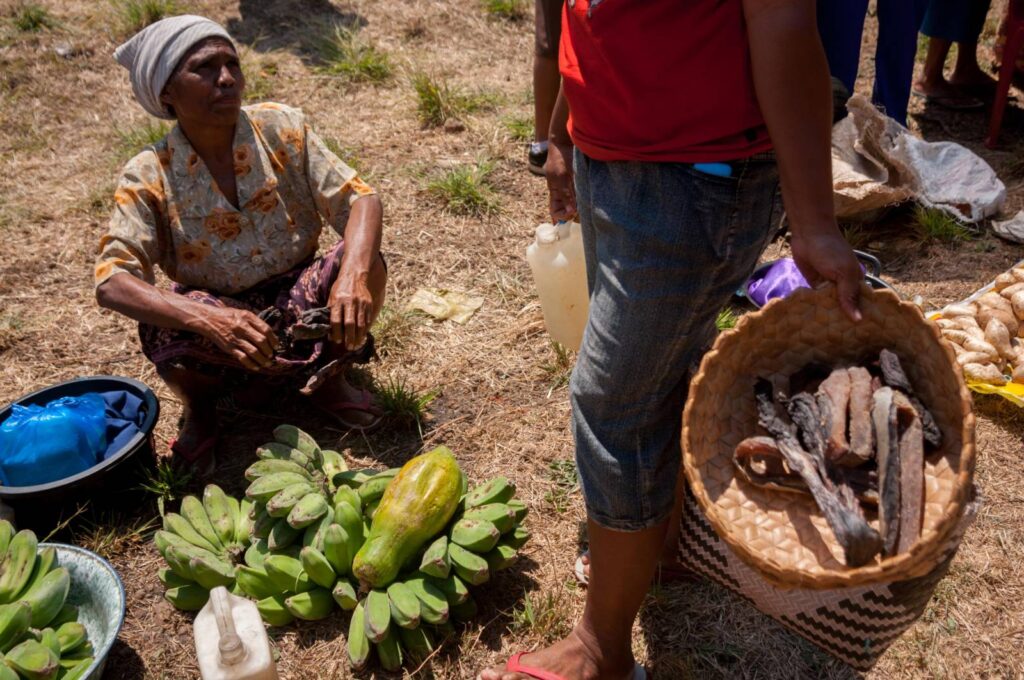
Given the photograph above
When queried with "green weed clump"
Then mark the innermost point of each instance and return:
(135, 15)
(465, 190)
(259, 71)
(559, 369)
(133, 140)
(32, 17)
(543, 615)
(564, 483)
(392, 330)
(167, 482)
(726, 319)
(403, 405)
(932, 224)
(345, 53)
(520, 128)
(438, 102)
(510, 10)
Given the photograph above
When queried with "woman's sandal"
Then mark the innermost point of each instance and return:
(365, 405)
(201, 460)
(514, 665)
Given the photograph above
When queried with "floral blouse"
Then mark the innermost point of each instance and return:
(171, 213)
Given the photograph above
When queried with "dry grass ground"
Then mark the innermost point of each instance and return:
(67, 121)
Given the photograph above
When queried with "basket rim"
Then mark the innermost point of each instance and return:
(923, 554)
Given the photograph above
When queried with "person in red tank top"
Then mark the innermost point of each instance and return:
(676, 125)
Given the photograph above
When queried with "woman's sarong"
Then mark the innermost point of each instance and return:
(304, 363)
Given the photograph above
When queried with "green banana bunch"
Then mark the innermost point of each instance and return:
(39, 631)
(371, 629)
(18, 565)
(33, 660)
(202, 544)
(289, 545)
(291, 489)
(483, 538)
(404, 621)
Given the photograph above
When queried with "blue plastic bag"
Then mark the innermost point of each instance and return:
(40, 444)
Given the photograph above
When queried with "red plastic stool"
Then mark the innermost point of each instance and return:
(1014, 42)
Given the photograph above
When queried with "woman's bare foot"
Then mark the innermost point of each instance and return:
(577, 657)
(363, 412)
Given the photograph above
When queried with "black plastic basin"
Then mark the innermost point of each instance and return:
(109, 482)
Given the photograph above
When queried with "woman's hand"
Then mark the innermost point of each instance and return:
(351, 309)
(558, 171)
(240, 334)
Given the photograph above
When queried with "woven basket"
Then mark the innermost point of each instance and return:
(784, 535)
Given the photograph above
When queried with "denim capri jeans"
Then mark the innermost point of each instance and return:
(666, 246)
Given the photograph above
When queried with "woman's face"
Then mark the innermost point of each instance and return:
(206, 87)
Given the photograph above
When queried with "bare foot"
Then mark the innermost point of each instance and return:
(573, 659)
(975, 81)
(945, 94)
(341, 391)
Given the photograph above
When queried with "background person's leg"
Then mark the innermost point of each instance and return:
(947, 22)
(841, 26)
(967, 73)
(898, 24)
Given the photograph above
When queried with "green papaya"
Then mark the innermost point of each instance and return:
(417, 505)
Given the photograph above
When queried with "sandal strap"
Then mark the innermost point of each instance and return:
(198, 452)
(515, 666)
(365, 403)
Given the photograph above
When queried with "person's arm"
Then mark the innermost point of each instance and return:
(352, 208)
(237, 332)
(558, 168)
(351, 302)
(793, 89)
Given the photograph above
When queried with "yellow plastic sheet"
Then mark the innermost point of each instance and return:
(1010, 391)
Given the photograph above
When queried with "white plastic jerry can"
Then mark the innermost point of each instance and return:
(560, 274)
(231, 642)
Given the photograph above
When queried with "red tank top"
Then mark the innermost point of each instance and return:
(660, 80)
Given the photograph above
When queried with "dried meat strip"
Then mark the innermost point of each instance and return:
(859, 541)
(884, 418)
(759, 461)
(803, 411)
(894, 376)
(834, 405)
(862, 441)
(911, 446)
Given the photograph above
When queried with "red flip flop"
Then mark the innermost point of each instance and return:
(365, 404)
(515, 666)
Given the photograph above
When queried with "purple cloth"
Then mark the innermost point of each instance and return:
(778, 280)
